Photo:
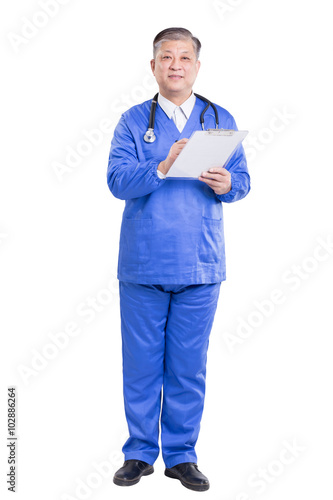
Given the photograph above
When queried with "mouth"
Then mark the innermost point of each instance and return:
(176, 77)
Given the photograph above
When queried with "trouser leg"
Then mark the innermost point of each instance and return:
(190, 320)
(144, 310)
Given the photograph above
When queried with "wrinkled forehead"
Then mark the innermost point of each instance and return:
(176, 47)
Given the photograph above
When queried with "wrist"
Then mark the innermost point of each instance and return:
(163, 167)
(229, 189)
(229, 185)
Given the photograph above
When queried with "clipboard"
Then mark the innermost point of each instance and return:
(206, 149)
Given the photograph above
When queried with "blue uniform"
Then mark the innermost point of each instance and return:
(172, 230)
(170, 267)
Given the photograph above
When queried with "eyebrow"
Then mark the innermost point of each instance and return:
(183, 51)
(170, 52)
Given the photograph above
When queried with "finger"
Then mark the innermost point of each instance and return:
(211, 183)
(180, 144)
(210, 175)
(219, 170)
(180, 148)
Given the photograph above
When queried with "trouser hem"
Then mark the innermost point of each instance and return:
(180, 459)
(139, 455)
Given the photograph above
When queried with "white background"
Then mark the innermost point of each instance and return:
(267, 384)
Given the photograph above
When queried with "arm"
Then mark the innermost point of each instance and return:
(127, 177)
(240, 179)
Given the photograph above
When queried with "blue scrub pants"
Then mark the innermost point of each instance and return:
(165, 335)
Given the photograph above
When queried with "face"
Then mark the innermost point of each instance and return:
(175, 68)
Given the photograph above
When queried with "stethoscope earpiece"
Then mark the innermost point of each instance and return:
(150, 135)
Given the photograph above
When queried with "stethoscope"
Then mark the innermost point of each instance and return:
(150, 134)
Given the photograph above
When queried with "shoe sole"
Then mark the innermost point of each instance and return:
(190, 486)
(131, 482)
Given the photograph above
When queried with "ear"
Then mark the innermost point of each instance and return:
(152, 65)
(198, 64)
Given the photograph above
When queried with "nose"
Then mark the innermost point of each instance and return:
(175, 64)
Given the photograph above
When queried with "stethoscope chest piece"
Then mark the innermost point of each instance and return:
(150, 135)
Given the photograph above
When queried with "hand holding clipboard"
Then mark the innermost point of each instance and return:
(204, 150)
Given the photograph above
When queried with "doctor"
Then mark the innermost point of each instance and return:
(171, 265)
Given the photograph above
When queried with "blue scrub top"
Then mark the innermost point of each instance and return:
(172, 229)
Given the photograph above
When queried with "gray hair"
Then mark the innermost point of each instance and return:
(171, 34)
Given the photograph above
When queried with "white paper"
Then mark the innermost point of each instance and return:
(204, 150)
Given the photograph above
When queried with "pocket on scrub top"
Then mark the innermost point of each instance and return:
(136, 237)
(211, 244)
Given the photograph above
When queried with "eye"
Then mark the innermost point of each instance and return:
(166, 57)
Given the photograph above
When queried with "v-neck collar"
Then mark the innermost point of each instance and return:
(169, 107)
(170, 127)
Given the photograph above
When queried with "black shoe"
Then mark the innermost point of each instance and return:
(131, 472)
(189, 475)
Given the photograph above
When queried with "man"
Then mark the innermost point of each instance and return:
(171, 265)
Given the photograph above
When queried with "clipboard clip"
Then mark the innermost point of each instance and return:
(223, 131)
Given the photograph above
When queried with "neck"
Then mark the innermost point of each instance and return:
(177, 99)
